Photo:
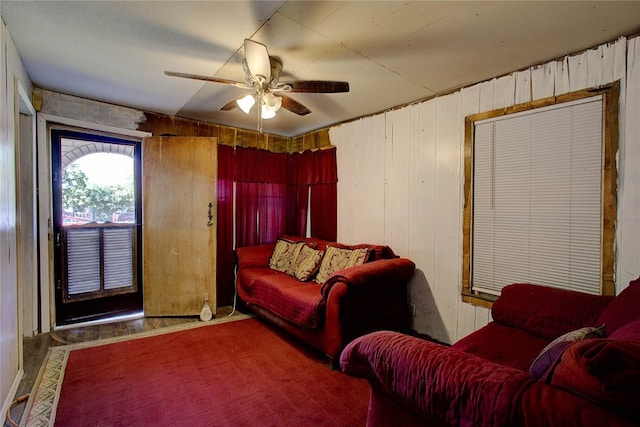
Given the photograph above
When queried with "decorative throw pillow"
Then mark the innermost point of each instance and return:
(284, 254)
(542, 367)
(336, 259)
(307, 263)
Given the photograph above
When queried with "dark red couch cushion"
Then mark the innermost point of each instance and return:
(603, 371)
(543, 406)
(547, 312)
(298, 302)
(504, 345)
(624, 309)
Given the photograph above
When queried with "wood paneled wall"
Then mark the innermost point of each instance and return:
(401, 177)
(72, 107)
(12, 78)
(163, 125)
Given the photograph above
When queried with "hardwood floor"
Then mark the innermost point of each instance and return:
(35, 348)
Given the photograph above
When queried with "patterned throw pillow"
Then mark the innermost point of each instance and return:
(336, 259)
(307, 263)
(284, 254)
(543, 366)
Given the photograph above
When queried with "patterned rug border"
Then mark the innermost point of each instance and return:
(40, 410)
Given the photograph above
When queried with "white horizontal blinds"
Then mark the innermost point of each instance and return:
(483, 249)
(118, 258)
(99, 259)
(83, 260)
(537, 198)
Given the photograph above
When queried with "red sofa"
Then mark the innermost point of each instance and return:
(350, 303)
(525, 368)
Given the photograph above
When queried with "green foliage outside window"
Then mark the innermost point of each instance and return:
(94, 202)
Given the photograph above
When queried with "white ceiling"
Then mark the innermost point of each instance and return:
(391, 52)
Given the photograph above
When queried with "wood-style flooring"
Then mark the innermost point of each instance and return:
(35, 348)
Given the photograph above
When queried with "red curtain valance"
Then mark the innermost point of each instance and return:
(314, 167)
(306, 168)
(254, 165)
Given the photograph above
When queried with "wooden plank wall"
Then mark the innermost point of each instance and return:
(401, 177)
(71, 107)
(163, 125)
(12, 76)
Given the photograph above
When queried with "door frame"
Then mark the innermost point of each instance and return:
(84, 308)
(45, 203)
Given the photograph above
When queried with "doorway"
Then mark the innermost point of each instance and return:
(97, 226)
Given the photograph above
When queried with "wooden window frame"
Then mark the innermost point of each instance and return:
(610, 95)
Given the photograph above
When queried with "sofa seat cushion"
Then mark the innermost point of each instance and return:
(504, 345)
(295, 301)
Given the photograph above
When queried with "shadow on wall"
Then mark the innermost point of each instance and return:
(427, 319)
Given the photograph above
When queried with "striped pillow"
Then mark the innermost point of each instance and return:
(336, 259)
(284, 254)
(307, 263)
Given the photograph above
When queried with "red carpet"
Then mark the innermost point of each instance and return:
(241, 373)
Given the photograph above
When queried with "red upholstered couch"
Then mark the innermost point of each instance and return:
(484, 379)
(352, 302)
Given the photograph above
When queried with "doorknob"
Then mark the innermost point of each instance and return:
(210, 215)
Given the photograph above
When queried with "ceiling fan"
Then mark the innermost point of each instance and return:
(262, 76)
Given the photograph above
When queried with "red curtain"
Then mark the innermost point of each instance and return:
(273, 195)
(261, 195)
(318, 171)
(324, 211)
(297, 208)
(225, 260)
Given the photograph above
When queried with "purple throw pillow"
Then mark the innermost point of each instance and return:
(543, 365)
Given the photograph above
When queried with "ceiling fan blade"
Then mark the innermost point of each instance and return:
(208, 79)
(257, 58)
(230, 105)
(294, 106)
(317, 86)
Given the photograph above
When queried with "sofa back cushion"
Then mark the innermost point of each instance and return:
(624, 309)
(547, 312)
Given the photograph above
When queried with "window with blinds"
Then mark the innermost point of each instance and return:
(537, 210)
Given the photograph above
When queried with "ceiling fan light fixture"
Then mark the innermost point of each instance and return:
(267, 113)
(272, 102)
(246, 102)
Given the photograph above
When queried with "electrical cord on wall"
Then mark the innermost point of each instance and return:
(235, 291)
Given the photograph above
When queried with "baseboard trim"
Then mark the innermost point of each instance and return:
(11, 395)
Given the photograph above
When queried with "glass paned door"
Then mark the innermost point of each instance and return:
(97, 226)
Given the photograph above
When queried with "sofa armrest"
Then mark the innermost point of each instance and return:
(382, 272)
(435, 381)
(547, 312)
(254, 256)
(366, 298)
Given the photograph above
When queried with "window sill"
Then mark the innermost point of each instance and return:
(479, 300)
